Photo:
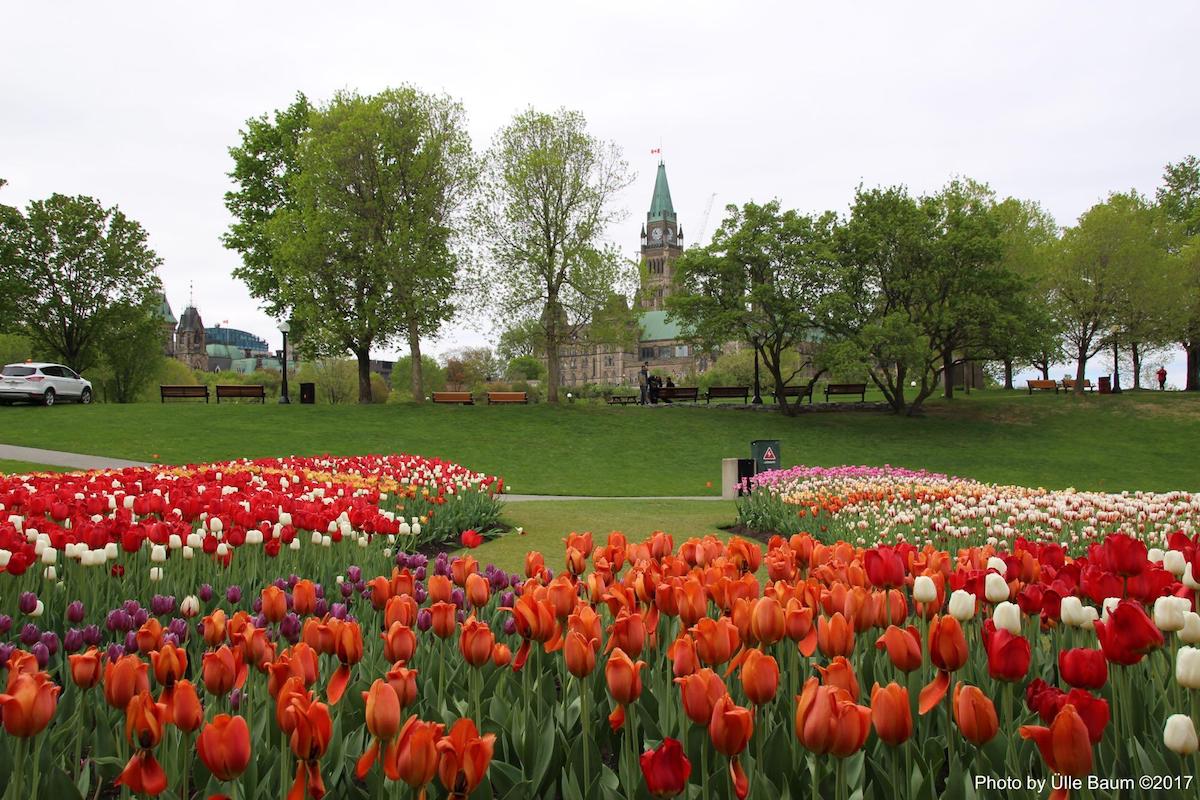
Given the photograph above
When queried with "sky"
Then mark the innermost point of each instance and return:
(137, 103)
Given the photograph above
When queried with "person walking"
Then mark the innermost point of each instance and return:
(644, 382)
(1162, 378)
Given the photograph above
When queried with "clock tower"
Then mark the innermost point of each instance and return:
(662, 243)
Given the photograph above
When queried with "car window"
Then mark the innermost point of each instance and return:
(15, 371)
(53, 372)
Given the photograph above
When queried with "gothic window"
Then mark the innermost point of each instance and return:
(647, 353)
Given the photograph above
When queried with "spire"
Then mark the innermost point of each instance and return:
(660, 203)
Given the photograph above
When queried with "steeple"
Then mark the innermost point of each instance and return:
(660, 203)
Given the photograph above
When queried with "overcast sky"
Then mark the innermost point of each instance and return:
(137, 103)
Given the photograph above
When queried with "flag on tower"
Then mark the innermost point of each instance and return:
(656, 150)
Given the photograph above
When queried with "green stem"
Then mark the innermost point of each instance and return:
(37, 766)
(585, 722)
(18, 769)
(704, 769)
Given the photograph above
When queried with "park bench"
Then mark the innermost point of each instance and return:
(454, 398)
(237, 390)
(798, 392)
(498, 398)
(179, 392)
(1068, 385)
(1043, 386)
(727, 391)
(623, 399)
(847, 389)
(670, 393)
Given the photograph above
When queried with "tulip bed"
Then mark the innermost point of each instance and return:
(806, 666)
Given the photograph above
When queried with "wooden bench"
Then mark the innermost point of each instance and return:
(237, 390)
(727, 391)
(179, 392)
(623, 399)
(798, 392)
(1043, 386)
(670, 393)
(454, 398)
(497, 398)
(848, 389)
(1068, 385)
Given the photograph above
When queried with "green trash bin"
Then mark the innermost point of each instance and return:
(765, 453)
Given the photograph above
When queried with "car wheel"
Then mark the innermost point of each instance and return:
(86, 396)
(48, 398)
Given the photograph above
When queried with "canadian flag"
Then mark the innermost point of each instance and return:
(656, 150)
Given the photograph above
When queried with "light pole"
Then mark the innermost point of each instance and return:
(757, 387)
(283, 391)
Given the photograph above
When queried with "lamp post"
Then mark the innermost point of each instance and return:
(757, 387)
(283, 391)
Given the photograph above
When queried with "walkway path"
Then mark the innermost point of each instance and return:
(58, 458)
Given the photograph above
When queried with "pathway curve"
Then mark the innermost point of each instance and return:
(58, 458)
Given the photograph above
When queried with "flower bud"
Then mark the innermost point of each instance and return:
(997, 563)
(1071, 611)
(994, 588)
(1189, 580)
(1187, 668)
(924, 590)
(1179, 735)
(962, 605)
(1174, 562)
(1190, 634)
(1008, 616)
(1168, 613)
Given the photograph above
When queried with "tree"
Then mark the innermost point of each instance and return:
(82, 270)
(547, 189)
(759, 281)
(523, 368)
(362, 222)
(522, 339)
(131, 351)
(12, 233)
(1028, 235)
(472, 366)
(1179, 198)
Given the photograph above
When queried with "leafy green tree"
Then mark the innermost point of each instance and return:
(524, 368)
(547, 192)
(363, 222)
(472, 366)
(759, 281)
(522, 339)
(82, 270)
(433, 378)
(1179, 198)
(131, 351)
(12, 233)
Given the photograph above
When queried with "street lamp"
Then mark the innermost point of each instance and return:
(757, 387)
(283, 391)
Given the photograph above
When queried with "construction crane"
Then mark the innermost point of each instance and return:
(699, 238)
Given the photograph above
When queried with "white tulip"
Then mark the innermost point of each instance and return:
(1090, 615)
(994, 588)
(294, 545)
(158, 554)
(404, 529)
(1155, 554)
(222, 549)
(1008, 616)
(1179, 735)
(339, 580)
(1189, 580)
(1174, 562)
(962, 605)
(190, 606)
(1190, 633)
(1187, 668)
(187, 552)
(387, 552)
(416, 529)
(285, 518)
(1071, 611)
(924, 589)
(174, 541)
(254, 536)
(5, 557)
(195, 541)
(215, 525)
(38, 610)
(49, 555)
(997, 563)
(128, 501)
(326, 541)
(50, 574)
(1168, 613)
(1107, 606)
(156, 573)
(110, 551)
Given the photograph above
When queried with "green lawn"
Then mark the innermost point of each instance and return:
(1142, 441)
(10, 467)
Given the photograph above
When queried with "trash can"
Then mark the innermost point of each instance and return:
(308, 393)
(1105, 384)
(765, 453)
(745, 468)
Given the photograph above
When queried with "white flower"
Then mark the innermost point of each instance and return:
(110, 551)
(254, 536)
(1179, 735)
(1154, 554)
(924, 590)
(5, 556)
(994, 588)
(215, 525)
(997, 563)
(49, 555)
(1071, 611)
(38, 610)
(294, 544)
(1187, 668)
(326, 541)
(222, 549)
(316, 537)
(1008, 616)
(962, 605)
(188, 553)
(416, 529)
(1190, 633)
(1168, 613)
(51, 574)
(195, 541)
(190, 606)
(1174, 562)
(158, 554)
(1189, 580)
(174, 541)
(156, 573)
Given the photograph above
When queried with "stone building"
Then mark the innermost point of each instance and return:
(167, 325)
(190, 339)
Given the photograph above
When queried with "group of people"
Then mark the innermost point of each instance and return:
(650, 386)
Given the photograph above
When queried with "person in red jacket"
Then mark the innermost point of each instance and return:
(1162, 378)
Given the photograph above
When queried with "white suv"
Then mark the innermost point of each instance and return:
(42, 383)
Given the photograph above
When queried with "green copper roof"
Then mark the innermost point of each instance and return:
(164, 310)
(660, 203)
(656, 327)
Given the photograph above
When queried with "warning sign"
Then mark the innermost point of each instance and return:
(769, 455)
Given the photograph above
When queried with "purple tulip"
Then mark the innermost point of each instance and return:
(353, 574)
(131, 607)
(41, 653)
(420, 593)
(91, 635)
(510, 626)
(425, 619)
(321, 608)
(205, 593)
(460, 615)
(256, 604)
(162, 605)
(420, 573)
(402, 560)
(50, 639)
(131, 645)
(507, 599)
(458, 598)
(234, 594)
(292, 580)
(30, 633)
(338, 610)
(115, 620)
(319, 590)
(179, 628)
(115, 651)
(170, 638)
(141, 618)
(514, 581)
(73, 640)
(235, 699)
(27, 602)
(281, 584)
(347, 589)
(289, 627)
(75, 612)
(6, 623)
(6, 651)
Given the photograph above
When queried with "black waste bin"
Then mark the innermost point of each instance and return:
(1105, 384)
(765, 453)
(308, 393)
(745, 473)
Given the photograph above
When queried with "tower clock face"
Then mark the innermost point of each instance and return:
(656, 234)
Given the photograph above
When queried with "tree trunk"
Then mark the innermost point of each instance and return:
(1137, 365)
(1192, 384)
(1080, 368)
(1008, 374)
(1116, 384)
(414, 352)
(364, 374)
(1046, 368)
(948, 374)
(553, 365)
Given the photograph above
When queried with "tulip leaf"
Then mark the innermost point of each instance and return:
(543, 753)
(570, 787)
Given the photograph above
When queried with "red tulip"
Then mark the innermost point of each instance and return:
(903, 647)
(1128, 634)
(1065, 746)
(666, 769)
(1008, 654)
(224, 747)
(1083, 667)
(730, 730)
(1123, 555)
(884, 567)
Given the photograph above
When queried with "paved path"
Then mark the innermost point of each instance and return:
(58, 458)
(518, 498)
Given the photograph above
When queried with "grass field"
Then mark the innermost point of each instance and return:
(10, 467)
(1131, 441)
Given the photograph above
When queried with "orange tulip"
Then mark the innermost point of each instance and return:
(21, 662)
(274, 603)
(535, 622)
(404, 683)
(759, 676)
(223, 670)
(535, 564)
(903, 647)
(478, 590)
(381, 592)
(840, 673)
(730, 730)
(828, 721)
(399, 643)
(1065, 746)
(440, 589)
(835, 635)
(948, 652)
(170, 664)
(292, 691)
(444, 621)
(403, 582)
(214, 626)
(891, 714)
(304, 598)
(86, 668)
(145, 721)
(348, 647)
(224, 746)
(463, 759)
(975, 715)
(699, 693)
(501, 655)
(184, 710)
(413, 757)
(149, 636)
(767, 621)
(682, 653)
(461, 567)
(312, 730)
(798, 624)
(627, 632)
(587, 622)
(563, 596)
(580, 654)
(402, 609)
(692, 601)
(716, 640)
(124, 678)
(624, 679)
(29, 704)
(257, 648)
(383, 722)
(475, 641)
